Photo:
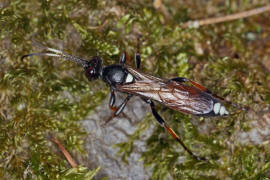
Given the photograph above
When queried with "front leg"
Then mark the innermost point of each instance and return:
(122, 106)
(112, 101)
(124, 57)
(119, 109)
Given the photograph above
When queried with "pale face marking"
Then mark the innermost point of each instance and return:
(129, 78)
(217, 108)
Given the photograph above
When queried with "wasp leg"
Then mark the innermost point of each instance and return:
(112, 101)
(137, 54)
(138, 60)
(171, 131)
(122, 106)
(124, 57)
(119, 109)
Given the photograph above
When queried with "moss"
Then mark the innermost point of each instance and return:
(40, 97)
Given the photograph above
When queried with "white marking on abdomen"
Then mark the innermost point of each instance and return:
(222, 110)
(217, 108)
(226, 112)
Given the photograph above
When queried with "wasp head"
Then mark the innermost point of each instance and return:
(93, 68)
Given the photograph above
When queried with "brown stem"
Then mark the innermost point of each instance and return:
(65, 152)
(252, 12)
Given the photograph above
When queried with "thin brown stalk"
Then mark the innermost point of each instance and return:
(245, 14)
(65, 152)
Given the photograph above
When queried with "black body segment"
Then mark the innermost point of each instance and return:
(114, 74)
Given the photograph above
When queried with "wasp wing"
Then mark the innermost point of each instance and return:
(175, 95)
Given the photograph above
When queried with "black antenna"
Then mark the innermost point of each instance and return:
(55, 53)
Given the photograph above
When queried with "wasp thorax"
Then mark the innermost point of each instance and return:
(93, 68)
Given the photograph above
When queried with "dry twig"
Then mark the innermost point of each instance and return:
(197, 23)
(65, 152)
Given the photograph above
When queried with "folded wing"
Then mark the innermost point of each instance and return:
(173, 94)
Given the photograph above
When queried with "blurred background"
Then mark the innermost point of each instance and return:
(43, 97)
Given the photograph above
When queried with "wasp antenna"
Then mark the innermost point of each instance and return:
(74, 59)
(56, 53)
(54, 50)
(41, 46)
(40, 54)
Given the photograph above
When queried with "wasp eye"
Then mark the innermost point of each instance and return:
(93, 68)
